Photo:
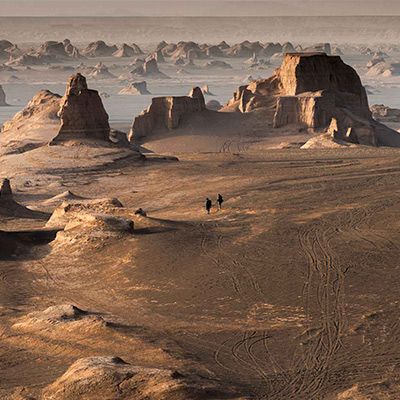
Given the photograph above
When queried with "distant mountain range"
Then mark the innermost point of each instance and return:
(198, 7)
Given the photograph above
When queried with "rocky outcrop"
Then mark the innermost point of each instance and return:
(135, 88)
(310, 90)
(3, 102)
(113, 378)
(383, 113)
(82, 114)
(99, 49)
(167, 113)
(41, 111)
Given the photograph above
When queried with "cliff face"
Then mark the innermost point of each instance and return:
(167, 112)
(311, 90)
(82, 114)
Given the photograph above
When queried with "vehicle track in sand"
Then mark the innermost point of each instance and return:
(324, 301)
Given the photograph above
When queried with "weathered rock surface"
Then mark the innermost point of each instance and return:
(135, 88)
(310, 90)
(167, 113)
(82, 114)
(3, 102)
(112, 378)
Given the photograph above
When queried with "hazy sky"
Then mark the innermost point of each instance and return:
(197, 7)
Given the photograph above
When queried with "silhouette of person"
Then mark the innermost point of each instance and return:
(220, 200)
(208, 205)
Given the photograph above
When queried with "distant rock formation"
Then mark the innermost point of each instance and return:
(124, 51)
(82, 114)
(187, 50)
(149, 69)
(316, 91)
(100, 71)
(135, 88)
(167, 113)
(99, 49)
(385, 114)
(382, 68)
(3, 102)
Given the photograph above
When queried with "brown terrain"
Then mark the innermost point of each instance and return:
(289, 292)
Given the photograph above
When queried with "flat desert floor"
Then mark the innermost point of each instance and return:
(291, 291)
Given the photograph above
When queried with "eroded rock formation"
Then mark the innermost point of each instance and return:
(167, 112)
(113, 378)
(41, 111)
(82, 114)
(135, 88)
(311, 90)
(99, 49)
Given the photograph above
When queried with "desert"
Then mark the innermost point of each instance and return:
(115, 281)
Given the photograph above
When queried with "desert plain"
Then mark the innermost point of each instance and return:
(114, 281)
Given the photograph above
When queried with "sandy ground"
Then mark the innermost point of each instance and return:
(289, 292)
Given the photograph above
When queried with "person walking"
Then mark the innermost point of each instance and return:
(208, 205)
(220, 200)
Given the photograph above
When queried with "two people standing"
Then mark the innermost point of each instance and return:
(209, 204)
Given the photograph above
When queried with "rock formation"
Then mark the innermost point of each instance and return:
(384, 69)
(35, 125)
(99, 49)
(125, 51)
(100, 71)
(113, 378)
(135, 88)
(188, 50)
(3, 102)
(167, 113)
(82, 114)
(53, 49)
(385, 114)
(10, 208)
(316, 91)
(149, 69)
